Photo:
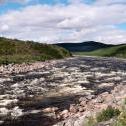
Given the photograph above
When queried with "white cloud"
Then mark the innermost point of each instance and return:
(17, 1)
(4, 28)
(75, 1)
(109, 2)
(67, 23)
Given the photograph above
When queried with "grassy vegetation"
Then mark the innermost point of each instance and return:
(118, 116)
(104, 115)
(16, 51)
(115, 51)
(121, 120)
(107, 114)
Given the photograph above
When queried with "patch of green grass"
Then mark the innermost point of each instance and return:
(116, 51)
(121, 120)
(107, 114)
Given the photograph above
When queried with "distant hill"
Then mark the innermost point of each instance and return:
(17, 51)
(115, 51)
(84, 46)
(92, 48)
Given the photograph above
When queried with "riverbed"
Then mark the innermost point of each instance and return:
(37, 95)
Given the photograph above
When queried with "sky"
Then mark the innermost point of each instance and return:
(56, 21)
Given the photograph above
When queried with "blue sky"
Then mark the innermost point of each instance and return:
(75, 20)
(9, 6)
(121, 26)
(15, 5)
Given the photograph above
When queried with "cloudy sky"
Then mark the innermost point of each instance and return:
(54, 21)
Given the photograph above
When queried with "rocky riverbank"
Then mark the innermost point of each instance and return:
(25, 67)
(60, 93)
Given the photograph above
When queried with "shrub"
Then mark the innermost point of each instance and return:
(121, 120)
(107, 114)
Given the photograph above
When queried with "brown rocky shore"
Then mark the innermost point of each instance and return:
(25, 67)
(60, 93)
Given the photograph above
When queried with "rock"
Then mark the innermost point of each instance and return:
(16, 112)
(89, 97)
(64, 114)
(3, 111)
(58, 117)
(1, 122)
(50, 110)
(99, 99)
(73, 109)
(104, 106)
(81, 109)
(54, 109)
(82, 99)
(72, 122)
(83, 103)
(105, 94)
(47, 110)
(109, 99)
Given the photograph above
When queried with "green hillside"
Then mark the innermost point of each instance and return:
(17, 51)
(115, 51)
(83, 46)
